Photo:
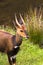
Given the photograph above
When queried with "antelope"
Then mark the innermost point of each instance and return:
(10, 44)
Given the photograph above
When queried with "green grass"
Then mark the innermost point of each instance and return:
(29, 54)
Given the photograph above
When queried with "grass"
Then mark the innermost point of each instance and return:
(29, 54)
(34, 20)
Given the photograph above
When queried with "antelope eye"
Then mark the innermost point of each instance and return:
(21, 30)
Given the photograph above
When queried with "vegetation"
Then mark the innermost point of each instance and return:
(35, 25)
(29, 54)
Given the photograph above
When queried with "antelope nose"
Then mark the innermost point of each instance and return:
(27, 37)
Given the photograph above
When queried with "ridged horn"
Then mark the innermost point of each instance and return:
(22, 19)
(17, 21)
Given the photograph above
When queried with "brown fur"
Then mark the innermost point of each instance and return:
(5, 41)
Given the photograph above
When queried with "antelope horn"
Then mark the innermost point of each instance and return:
(22, 19)
(17, 21)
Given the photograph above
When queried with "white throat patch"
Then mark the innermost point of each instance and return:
(15, 47)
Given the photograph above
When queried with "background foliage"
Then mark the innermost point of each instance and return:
(34, 20)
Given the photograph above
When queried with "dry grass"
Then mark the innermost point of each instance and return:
(34, 23)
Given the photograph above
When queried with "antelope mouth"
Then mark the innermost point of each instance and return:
(27, 37)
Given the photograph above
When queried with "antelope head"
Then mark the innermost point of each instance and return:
(20, 26)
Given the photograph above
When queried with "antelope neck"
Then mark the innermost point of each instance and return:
(18, 38)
